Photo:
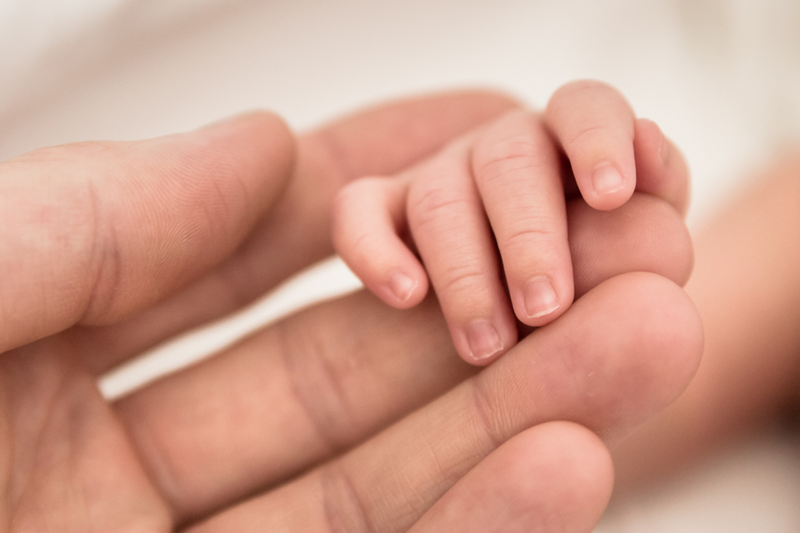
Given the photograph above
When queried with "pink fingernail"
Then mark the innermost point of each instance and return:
(483, 340)
(540, 297)
(402, 286)
(606, 179)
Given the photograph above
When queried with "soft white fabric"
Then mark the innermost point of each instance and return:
(46, 42)
(720, 76)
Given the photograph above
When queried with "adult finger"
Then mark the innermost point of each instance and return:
(320, 381)
(594, 125)
(378, 141)
(623, 352)
(95, 231)
(518, 173)
(746, 286)
(554, 477)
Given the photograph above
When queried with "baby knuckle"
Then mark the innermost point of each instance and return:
(431, 203)
(531, 233)
(463, 279)
(508, 157)
(586, 135)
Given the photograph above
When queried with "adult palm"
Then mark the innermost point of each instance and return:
(348, 416)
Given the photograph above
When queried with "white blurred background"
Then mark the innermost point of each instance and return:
(722, 78)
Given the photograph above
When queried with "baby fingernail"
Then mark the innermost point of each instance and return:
(483, 340)
(540, 297)
(402, 286)
(607, 179)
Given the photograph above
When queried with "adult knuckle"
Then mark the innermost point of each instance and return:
(344, 509)
(271, 126)
(317, 379)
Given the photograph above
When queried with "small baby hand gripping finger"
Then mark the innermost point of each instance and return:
(487, 214)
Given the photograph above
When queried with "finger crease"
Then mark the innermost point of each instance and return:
(464, 280)
(486, 414)
(316, 388)
(344, 509)
(105, 261)
(524, 236)
(592, 130)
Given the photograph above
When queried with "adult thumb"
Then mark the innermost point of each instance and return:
(91, 232)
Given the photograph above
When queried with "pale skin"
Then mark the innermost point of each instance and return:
(349, 416)
(502, 189)
(746, 284)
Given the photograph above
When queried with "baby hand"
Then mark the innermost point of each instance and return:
(495, 198)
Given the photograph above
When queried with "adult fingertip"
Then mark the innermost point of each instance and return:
(267, 139)
(662, 321)
(263, 127)
(558, 475)
(555, 476)
(575, 454)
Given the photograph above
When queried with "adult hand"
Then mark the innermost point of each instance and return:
(746, 285)
(96, 239)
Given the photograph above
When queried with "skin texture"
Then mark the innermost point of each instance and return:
(295, 232)
(518, 493)
(746, 284)
(487, 217)
(349, 416)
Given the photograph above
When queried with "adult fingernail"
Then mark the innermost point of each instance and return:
(606, 179)
(402, 286)
(483, 340)
(540, 297)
